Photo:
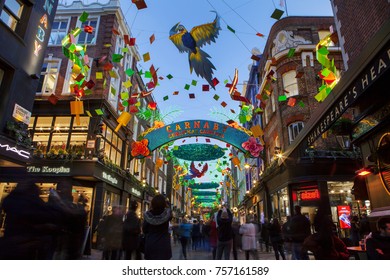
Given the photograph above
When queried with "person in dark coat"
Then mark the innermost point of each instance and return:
(324, 243)
(265, 235)
(275, 234)
(131, 233)
(31, 225)
(299, 229)
(364, 226)
(378, 244)
(112, 234)
(225, 233)
(155, 228)
(195, 235)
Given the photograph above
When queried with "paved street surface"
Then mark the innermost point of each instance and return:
(199, 254)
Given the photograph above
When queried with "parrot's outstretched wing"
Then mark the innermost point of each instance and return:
(206, 33)
(176, 39)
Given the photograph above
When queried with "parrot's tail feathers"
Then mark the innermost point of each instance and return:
(201, 64)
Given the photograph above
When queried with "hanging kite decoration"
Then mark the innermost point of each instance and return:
(195, 173)
(192, 41)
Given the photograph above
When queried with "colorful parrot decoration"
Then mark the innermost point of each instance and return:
(192, 41)
(195, 173)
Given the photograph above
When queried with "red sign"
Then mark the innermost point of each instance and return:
(310, 195)
(344, 212)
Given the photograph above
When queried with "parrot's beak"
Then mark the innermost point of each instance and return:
(173, 30)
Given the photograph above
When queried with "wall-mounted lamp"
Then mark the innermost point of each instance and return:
(371, 169)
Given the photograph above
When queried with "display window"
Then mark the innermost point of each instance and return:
(56, 137)
(110, 199)
(280, 205)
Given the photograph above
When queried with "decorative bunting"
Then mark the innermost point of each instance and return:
(146, 57)
(151, 39)
(84, 16)
(231, 29)
(277, 14)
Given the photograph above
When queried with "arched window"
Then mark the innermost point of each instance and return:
(293, 130)
(290, 84)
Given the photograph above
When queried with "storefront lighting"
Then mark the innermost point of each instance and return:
(247, 166)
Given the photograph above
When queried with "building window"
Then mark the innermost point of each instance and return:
(273, 101)
(88, 38)
(322, 34)
(114, 89)
(49, 76)
(290, 84)
(58, 31)
(112, 145)
(11, 13)
(57, 135)
(293, 130)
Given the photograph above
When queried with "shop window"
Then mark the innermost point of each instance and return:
(59, 30)
(83, 126)
(88, 38)
(6, 77)
(77, 143)
(290, 84)
(83, 195)
(15, 14)
(110, 199)
(293, 130)
(60, 134)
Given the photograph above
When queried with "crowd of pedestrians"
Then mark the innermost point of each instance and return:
(56, 229)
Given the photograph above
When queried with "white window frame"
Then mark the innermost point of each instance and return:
(67, 82)
(322, 34)
(273, 101)
(290, 83)
(59, 31)
(50, 65)
(291, 133)
(13, 18)
(135, 129)
(114, 83)
(95, 31)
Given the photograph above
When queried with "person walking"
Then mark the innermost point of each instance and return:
(155, 228)
(286, 233)
(248, 239)
(236, 237)
(275, 234)
(31, 225)
(265, 235)
(225, 233)
(185, 230)
(131, 233)
(195, 235)
(300, 229)
(213, 236)
(112, 234)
